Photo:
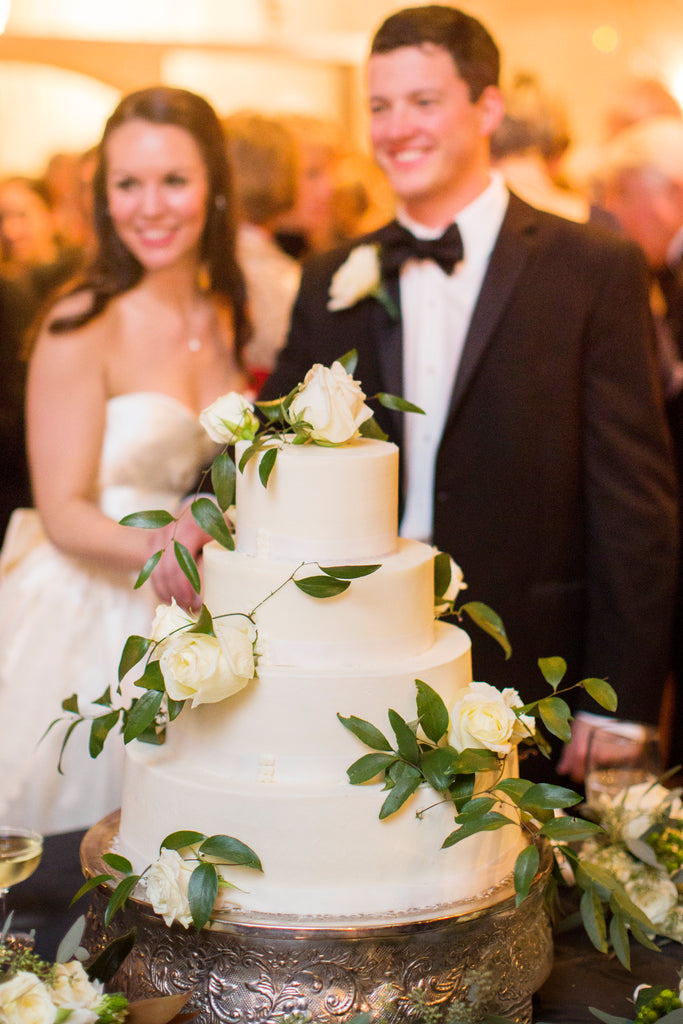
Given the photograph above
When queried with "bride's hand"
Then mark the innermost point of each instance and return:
(168, 579)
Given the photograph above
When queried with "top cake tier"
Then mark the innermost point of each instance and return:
(337, 505)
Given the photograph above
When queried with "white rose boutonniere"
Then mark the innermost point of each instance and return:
(359, 277)
(166, 883)
(484, 718)
(199, 667)
(229, 419)
(332, 403)
(25, 999)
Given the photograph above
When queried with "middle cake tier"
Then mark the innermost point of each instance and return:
(388, 614)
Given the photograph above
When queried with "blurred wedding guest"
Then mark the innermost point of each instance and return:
(263, 157)
(640, 180)
(15, 488)
(362, 199)
(62, 176)
(308, 226)
(121, 368)
(528, 145)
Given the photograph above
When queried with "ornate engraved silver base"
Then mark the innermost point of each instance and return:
(492, 958)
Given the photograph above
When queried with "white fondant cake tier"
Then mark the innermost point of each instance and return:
(386, 615)
(321, 504)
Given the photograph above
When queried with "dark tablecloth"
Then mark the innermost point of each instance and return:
(581, 977)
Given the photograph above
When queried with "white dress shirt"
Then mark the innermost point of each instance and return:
(436, 309)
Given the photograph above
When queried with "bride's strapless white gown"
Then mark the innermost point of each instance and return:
(63, 623)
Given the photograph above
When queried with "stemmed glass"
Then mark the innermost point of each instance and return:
(616, 760)
(20, 853)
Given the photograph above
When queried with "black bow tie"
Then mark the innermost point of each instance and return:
(399, 245)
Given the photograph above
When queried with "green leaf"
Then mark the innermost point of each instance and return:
(526, 867)
(609, 1018)
(188, 565)
(152, 678)
(204, 623)
(142, 714)
(569, 830)
(322, 586)
(134, 649)
(473, 760)
(371, 428)
(152, 520)
(486, 619)
(478, 807)
(67, 736)
(548, 797)
(202, 890)
(180, 840)
(369, 767)
(99, 730)
(366, 732)
(207, 515)
(438, 768)
(147, 569)
(266, 465)
(601, 692)
(349, 572)
(232, 850)
(71, 941)
(397, 403)
(442, 573)
(433, 713)
(223, 475)
(488, 823)
(71, 704)
(553, 670)
(104, 967)
(349, 361)
(556, 714)
(513, 788)
(406, 740)
(618, 933)
(88, 886)
(119, 897)
(406, 780)
(118, 863)
(248, 454)
(461, 790)
(593, 917)
(174, 708)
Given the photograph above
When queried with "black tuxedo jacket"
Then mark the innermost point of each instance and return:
(555, 489)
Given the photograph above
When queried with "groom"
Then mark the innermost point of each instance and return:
(542, 465)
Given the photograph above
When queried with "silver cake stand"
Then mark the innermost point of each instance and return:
(490, 955)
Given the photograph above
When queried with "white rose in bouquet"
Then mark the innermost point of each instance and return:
(24, 999)
(484, 718)
(166, 884)
(358, 277)
(168, 619)
(634, 809)
(229, 419)
(332, 402)
(654, 893)
(198, 667)
(72, 989)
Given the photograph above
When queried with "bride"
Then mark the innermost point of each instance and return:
(121, 368)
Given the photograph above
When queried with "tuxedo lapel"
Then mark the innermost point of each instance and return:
(388, 331)
(507, 260)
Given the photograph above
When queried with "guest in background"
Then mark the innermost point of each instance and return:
(640, 180)
(121, 368)
(263, 157)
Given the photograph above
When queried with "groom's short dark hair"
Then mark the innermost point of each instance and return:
(472, 48)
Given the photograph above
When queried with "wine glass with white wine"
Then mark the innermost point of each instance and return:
(20, 853)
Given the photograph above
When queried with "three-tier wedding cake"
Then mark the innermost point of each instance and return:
(269, 763)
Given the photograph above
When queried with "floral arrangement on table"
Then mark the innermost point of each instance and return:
(641, 846)
(33, 991)
(651, 1003)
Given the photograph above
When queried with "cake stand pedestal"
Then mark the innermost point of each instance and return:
(490, 955)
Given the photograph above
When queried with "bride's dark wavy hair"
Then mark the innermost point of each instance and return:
(114, 269)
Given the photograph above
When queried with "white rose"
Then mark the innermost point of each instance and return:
(452, 590)
(195, 666)
(168, 619)
(483, 718)
(332, 402)
(72, 989)
(642, 804)
(166, 882)
(357, 277)
(655, 895)
(26, 1000)
(229, 419)
(525, 725)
